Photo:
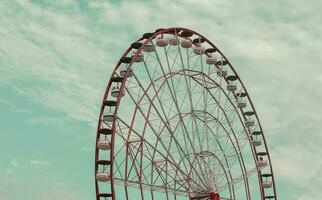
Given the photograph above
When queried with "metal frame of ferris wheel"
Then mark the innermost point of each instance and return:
(134, 149)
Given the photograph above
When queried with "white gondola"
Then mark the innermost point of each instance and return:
(241, 103)
(162, 42)
(103, 177)
(186, 43)
(249, 122)
(211, 60)
(103, 144)
(149, 48)
(115, 92)
(109, 117)
(231, 87)
(174, 41)
(123, 72)
(262, 163)
(256, 142)
(267, 184)
(198, 50)
(222, 72)
(140, 58)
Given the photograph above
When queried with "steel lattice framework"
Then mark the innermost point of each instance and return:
(176, 122)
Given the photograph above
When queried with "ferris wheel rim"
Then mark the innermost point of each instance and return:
(148, 38)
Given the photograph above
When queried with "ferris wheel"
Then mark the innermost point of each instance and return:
(176, 122)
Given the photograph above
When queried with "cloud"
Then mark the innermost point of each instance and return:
(35, 189)
(52, 60)
(62, 184)
(59, 56)
(299, 166)
(14, 162)
(39, 162)
(55, 195)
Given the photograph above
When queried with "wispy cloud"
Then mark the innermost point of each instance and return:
(52, 60)
(14, 163)
(59, 56)
(39, 162)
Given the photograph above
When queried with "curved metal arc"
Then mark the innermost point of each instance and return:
(250, 101)
(174, 74)
(185, 74)
(168, 128)
(254, 154)
(227, 97)
(100, 124)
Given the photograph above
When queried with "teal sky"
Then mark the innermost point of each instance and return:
(56, 57)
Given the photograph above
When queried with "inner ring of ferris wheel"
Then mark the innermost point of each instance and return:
(181, 124)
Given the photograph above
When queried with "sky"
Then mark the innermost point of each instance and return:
(57, 56)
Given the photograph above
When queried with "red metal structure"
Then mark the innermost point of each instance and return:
(177, 122)
(213, 196)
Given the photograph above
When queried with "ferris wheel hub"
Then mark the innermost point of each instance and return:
(213, 196)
